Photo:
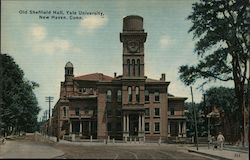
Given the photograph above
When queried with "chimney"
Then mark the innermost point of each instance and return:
(114, 74)
(163, 76)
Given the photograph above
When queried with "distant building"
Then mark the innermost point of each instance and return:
(127, 106)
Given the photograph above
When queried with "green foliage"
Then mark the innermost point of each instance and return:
(19, 107)
(223, 99)
(221, 28)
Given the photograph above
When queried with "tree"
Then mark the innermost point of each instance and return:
(201, 125)
(225, 100)
(19, 106)
(221, 28)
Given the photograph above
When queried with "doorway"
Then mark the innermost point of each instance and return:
(133, 124)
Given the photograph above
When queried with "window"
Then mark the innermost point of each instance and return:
(172, 111)
(157, 96)
(147, 113)
(64, 112)
(133, 63)
(146, 126)
(77, 110)
(109, 96)
(157, 126)
(129, 94)
(146, 95)
(137, 93)
(128, 63)
(119, 96)
(157, 111)
(138, 63)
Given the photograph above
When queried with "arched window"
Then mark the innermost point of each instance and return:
(128, 63)
(157, 96)
(64, 112)
(109, 96)
(129, 94)
(146, 96)
(139, 65)
(119, 96)
(137, 93)
(133, 63)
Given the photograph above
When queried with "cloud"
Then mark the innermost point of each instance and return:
(166, 41)
(41, 42)
(38, 32)
(93, 22)
(56, 45)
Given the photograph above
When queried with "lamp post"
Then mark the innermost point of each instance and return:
(195, 121)
(208, 130)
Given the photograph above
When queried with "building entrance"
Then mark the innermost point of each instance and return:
(133, 125)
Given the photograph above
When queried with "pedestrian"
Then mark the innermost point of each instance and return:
(220, 140)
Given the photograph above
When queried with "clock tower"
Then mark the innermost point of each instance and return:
(133, 38)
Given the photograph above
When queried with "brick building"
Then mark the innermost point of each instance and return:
(130, 105)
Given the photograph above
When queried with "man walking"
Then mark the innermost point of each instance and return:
(220, 140)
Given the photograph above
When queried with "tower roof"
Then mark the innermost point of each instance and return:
(69, 65)
(133, 23)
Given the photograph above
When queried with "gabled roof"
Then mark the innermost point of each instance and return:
(94, 77)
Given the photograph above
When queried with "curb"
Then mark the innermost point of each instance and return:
(209, 155)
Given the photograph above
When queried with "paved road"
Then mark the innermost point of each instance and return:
(126, 152)
(27, 148)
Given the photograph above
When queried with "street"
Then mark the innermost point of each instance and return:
(126, 151)
(29, 148)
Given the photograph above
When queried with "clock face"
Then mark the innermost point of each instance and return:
(133, 46)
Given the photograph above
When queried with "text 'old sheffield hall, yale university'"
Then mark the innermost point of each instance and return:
(125, 107)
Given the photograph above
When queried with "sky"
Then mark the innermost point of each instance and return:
(42, 47)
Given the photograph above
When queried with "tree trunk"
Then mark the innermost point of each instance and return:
(239, 92)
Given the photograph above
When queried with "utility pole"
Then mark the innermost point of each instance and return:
(195, 121)
(49, 99)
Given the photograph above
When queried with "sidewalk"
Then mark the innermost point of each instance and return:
(220, 154)
(16, 149)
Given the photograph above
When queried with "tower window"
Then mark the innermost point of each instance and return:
(139, 69)
(64, 112)
(137, 93)
(119, 96)
(109, 96)
(128, 63)
(129, 94)
(133, 63)
(146, 95)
